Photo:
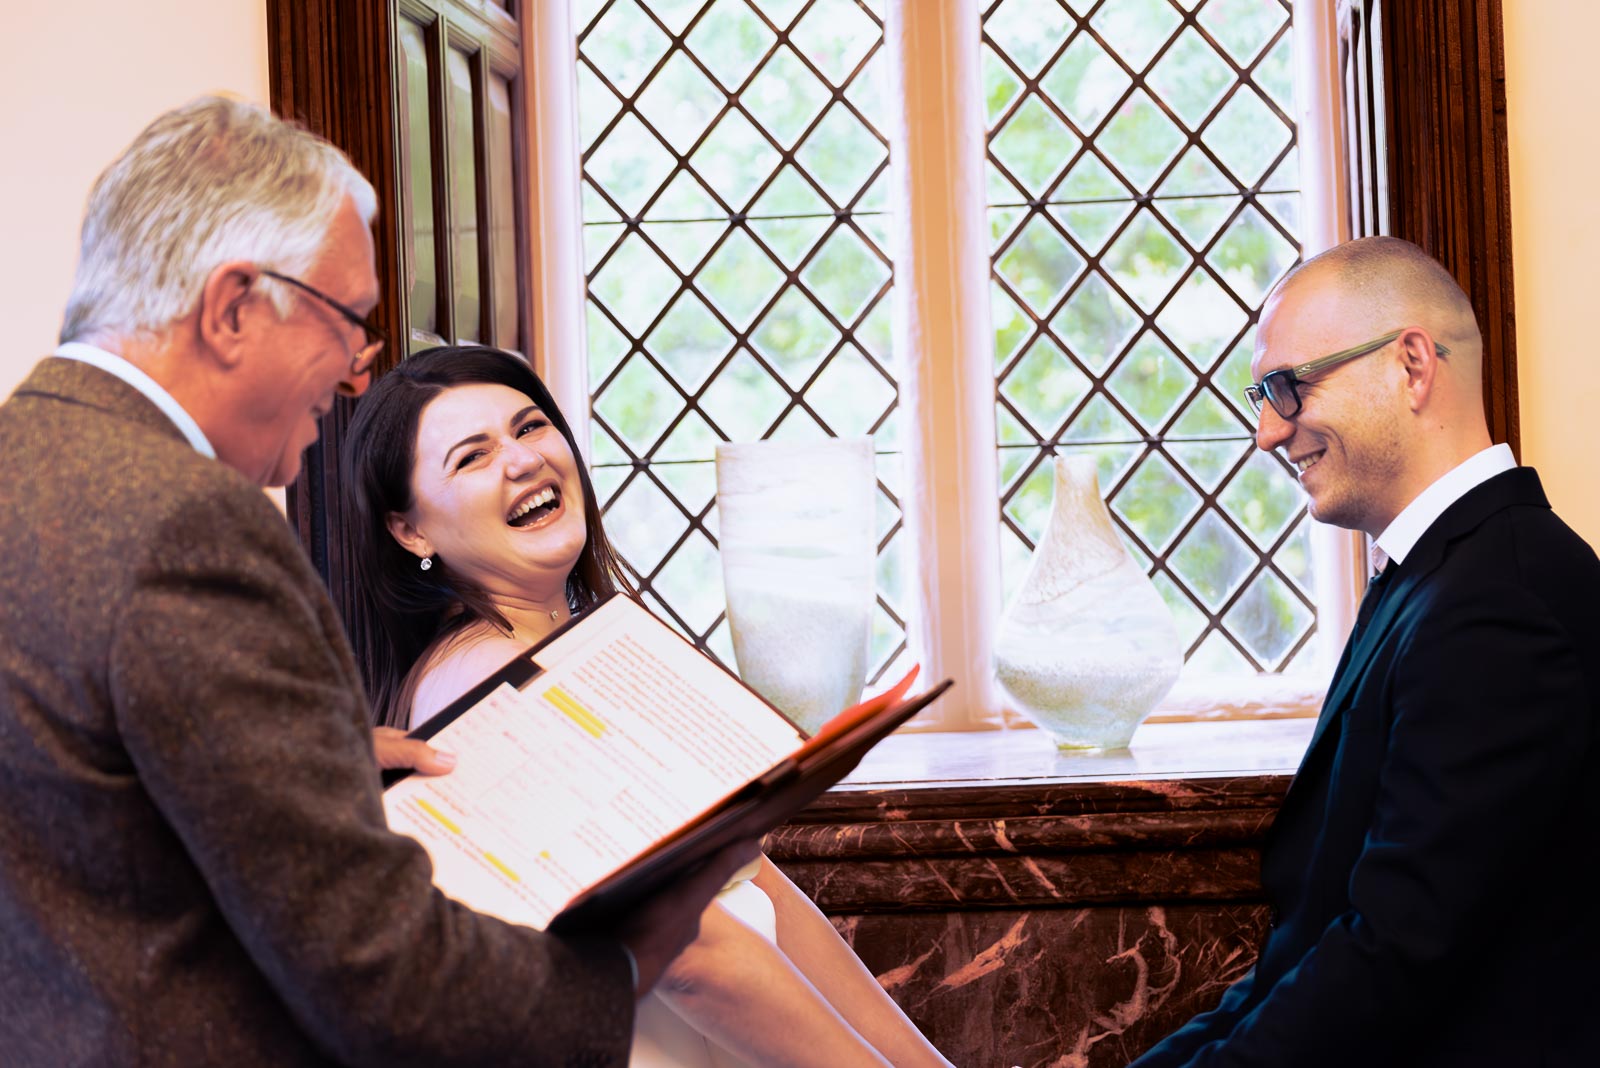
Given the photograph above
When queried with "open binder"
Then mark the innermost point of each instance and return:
(610, 759)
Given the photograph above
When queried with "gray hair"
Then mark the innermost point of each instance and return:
(214, 181)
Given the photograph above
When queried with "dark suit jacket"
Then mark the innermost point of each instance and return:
(194, 867)
(1424, 872)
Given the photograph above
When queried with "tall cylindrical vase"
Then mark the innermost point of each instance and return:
(1087, 646)
(795, 523)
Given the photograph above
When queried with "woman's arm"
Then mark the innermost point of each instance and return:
(810, 942)
(739, 990)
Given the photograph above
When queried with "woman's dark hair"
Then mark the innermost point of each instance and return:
(401, 609)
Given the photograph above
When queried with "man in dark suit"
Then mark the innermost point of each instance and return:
(194, 865)
(1423, 872)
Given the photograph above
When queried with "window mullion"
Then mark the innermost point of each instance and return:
(556, 338)
(1339, 574)
(945, 343)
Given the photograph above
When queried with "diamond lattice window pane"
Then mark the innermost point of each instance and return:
(739, 279)
(1197, 218)
(1140, 140)
(1195, 175)
(1156, 502)
(844, 275)
(850, 394)
(1212, 561)
(1243, 27)
(1028, 31)
(1045, 386)
(841, 154)
(607, 344)
(1000, 85)
(1275, 73)
(1251, 256)
(1086, 82)
(1207, 462)
(1029, 505)
(744, 400)
(624, 44)
(1101, 421)
(785, 97)
(638, 404)
(730, 40)
(1011, 324)
(1293, 557)
(1034, 145)
(1092, 224)
(794, 337)
(1091, 180)
(1263, 497)
(1217, 656)
(691, 582)
(635, 284)
(1191, 78)
(1040, 264)
(1247, 136)
(1136, 29)
(1202, 319)
(689, 342)
(630, 164)
(1151, 381)
(1269, 619)
(1096, 323)
(1146, 260)
(680, 102)
(735, 159)
(643, 523)
(597, 105)
(686, 244)
(1233, 375)
(873, 335)
(835, 35)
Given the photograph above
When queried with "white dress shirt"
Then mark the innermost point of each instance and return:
(1402, 535)
(113, 364)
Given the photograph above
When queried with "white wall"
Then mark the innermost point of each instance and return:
(1552, 83)
(77, 82)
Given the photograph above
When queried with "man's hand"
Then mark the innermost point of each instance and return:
(660, 930)
(393, 749)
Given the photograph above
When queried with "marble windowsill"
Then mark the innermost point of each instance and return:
(1186, 751)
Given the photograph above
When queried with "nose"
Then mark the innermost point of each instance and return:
(1272, 429)
(522, 459)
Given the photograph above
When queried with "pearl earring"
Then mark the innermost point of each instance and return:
(427, 562)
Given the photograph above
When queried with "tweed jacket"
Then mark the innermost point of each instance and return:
(194, 865)
(1424, 871)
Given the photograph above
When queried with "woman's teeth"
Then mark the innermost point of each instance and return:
(546, 496)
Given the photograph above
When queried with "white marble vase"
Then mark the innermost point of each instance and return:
(796, 528)
(1087, 646)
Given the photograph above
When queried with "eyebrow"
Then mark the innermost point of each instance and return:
(478, 439)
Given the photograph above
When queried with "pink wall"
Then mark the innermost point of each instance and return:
(77, 82)
(1552, 81)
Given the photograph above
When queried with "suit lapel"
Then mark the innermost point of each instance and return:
(1519, 486)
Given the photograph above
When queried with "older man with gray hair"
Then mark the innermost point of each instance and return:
(194, 865)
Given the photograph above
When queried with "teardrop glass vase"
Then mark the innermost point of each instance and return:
(1086, 647)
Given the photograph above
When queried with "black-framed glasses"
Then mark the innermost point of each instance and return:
(376, 339)
(1281, 388)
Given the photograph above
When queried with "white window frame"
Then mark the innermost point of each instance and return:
(941, 251)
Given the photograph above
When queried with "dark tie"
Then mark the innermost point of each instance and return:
(1369, 601)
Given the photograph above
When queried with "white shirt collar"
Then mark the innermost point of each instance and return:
(1402, 535)
(112, 364)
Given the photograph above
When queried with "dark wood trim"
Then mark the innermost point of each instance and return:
(331, 65)
(1442, 115)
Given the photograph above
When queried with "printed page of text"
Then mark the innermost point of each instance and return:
(626, 735)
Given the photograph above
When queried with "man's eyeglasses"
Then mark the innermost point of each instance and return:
(375, 338)
(1281, 388)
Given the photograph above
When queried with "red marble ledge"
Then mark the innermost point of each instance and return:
(1004, 820)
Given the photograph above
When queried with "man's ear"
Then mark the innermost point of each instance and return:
(230, 307)
(410, 538)
(1419, 359)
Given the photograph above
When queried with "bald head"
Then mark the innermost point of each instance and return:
(1385, 283)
